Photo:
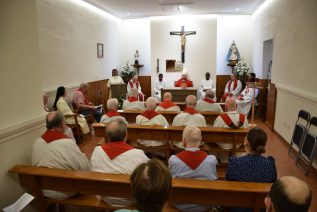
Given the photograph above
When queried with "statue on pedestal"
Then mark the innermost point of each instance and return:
(233, 55)
(136, 57)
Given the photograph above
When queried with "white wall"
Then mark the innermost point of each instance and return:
(229, 28)
(135, 35)
(69, 31)
(20, 90)
(200, 53)
(292, 25)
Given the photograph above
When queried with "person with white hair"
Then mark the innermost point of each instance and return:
(132, 102)
(134, 83)
(208, 103)
(192, 163)
(112, 114)
(184, 82)
(190, 116)
(167, 104)
(206, 84)
(151, 117)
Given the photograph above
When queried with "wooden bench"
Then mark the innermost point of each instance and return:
(130, 115)
(210, 136)
(91, 184)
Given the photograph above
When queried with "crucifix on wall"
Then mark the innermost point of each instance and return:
(183, 35)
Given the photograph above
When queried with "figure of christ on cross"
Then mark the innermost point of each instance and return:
(183, 35)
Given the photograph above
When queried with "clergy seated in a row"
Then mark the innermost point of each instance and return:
(151, 117)
(61, 105)
(208, 103)
(184, 82)
(232, 89)
(206, 84)
(117, 157)
(192, 163)
(55, 150)
(167, 104)
(112, 114)
(132, 102)
(244, 100)
(134, 83)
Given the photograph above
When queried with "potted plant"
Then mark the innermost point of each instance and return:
(127, 72)
(241, 69)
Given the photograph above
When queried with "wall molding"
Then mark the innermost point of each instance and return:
(19, 129)
(298, 94)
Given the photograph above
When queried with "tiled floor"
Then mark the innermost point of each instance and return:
(275, 147)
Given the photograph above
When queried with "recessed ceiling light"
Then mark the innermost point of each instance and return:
(237, 9)
(128, 13)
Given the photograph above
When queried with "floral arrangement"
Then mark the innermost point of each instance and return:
(242, 68)
(127, 72)
(121, 99)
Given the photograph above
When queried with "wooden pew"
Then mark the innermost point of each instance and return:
(91, 184)
(130, 115)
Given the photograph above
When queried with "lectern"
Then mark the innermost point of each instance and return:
(118, 90)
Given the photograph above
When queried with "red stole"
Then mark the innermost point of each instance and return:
(209, 100)
(85, 98)
(149, 114)
(192, 159)
(167, 104)
(246, 92)
(190, 110)
(136, 84)
(115, 149)
(234, 85)
(225, 117)
(112, 113)
(53, 135)
(182, 82)
(132, 99)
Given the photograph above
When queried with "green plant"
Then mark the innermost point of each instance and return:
(121, 99)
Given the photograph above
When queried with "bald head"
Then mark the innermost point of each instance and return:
(191, 136)
(133, 92)
(150, 103)
(116, 130)
(290, 194)
(210, 94)
(135, 78)
(167, 96)
(54, 120)
(112, 104)
(231, 104)
(191, 101)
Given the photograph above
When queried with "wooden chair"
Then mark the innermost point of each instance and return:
(75, 127)
(89, 118)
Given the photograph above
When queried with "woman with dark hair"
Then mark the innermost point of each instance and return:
(151, 183)
(61, 105)
(253, 167)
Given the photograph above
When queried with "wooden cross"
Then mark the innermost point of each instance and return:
(183, 35)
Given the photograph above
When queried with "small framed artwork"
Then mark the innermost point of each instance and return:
(99, 50)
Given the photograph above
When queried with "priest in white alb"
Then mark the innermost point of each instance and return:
(134, 83)
(132, 102)
(112, 113)
(208, 103)
(167, 104)
(159, 85)
(115, 79)
(232, 89)
(206, 84)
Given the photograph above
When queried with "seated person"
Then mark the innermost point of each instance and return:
(112, 114)
(183, 82)
(231, 119)
(134, 83)
(55, 150)
(253, 167)
(244, 100)
(208, 103)
(116, 157)
(61, 105)
(206, 84)
(159, 85)
(115, 79)
(190, 116)
(132, 103)
(232, 89)
(193, 163)
(289, 194)
(83, 104)
(150, 117)
(167, 104)
(151, 183)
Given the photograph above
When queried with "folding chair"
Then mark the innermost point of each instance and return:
(309, 146)
(299, 132)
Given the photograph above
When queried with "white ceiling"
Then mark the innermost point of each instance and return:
(126, 9)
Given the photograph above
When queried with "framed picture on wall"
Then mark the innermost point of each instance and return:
(99, 50)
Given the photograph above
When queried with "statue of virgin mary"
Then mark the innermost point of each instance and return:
(233, 55)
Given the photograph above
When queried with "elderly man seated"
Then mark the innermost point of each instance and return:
(167, 104)
(150, 117)
(116, 157)
(132, 102)
(112, 114)
(208, 103)
(193, 163)
(55, 150)
(134, 83)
